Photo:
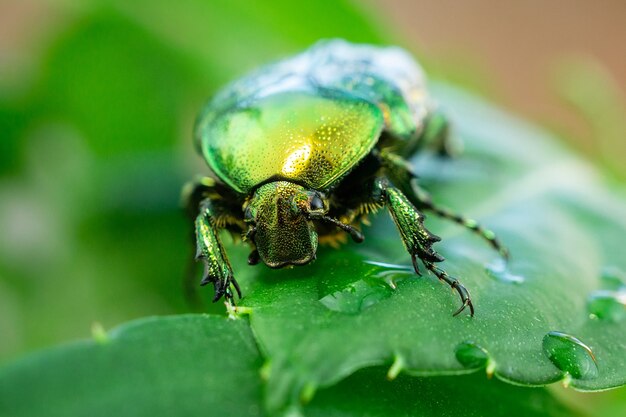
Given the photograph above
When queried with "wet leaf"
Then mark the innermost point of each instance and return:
(209, 366)
(368, 393)
(563, 225)
(152, 367)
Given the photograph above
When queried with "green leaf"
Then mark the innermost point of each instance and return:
(112, 94)
(152, 367)
(319, 323)
(208, 366)
(367, 393)
(228, 37)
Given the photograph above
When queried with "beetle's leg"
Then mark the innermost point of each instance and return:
(426, 202)
(454, 283)
(217, 269)
(205, 200)
(436, 135)
(192, 194)
(416, 238)
(400, 172)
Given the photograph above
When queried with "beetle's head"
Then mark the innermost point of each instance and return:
(281, 214)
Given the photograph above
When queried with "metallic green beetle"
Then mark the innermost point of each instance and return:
(303, 148)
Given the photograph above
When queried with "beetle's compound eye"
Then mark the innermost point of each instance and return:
(316, 203)
(248, 215)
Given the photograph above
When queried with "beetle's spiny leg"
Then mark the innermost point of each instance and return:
(209, 249)
(399, 169)
(473, 225)
(223, 288)
(454, 284)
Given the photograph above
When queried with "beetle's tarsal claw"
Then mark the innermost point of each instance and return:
(466, 303)
(236, 285)
(206, 280)
(223, 288)
(415, 265)
(220, 290)
(454, 283)
(218, 295)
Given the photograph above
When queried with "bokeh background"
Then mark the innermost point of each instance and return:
(98, 99)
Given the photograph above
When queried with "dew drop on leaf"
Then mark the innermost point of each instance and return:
(471, 355)
(357, 296)
(607, 305)
(613, 278)
(570, 355)
(391, 273)
(498, 269)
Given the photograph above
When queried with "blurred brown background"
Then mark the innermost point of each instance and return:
(528, 55)
(542, 59)
(517, 43)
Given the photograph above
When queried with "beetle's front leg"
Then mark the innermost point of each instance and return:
(416, 238)
(209, 248)
(401, 174)
(410, 222)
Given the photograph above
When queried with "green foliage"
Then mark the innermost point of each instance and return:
(562, 226)
(97, 145)
(94, 154)
(207, 365)
(154, 367)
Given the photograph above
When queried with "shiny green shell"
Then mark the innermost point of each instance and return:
(311, 118)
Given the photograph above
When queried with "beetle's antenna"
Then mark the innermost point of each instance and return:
(355, 234)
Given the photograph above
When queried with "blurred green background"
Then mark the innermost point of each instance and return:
(96, 145)
(97, 102)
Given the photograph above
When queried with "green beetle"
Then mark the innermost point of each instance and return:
(303, 148)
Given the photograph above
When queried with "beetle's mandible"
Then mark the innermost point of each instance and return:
(303, 148)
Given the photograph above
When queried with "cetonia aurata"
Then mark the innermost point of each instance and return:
(303, 148)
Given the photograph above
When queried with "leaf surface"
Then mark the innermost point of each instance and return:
(535, 322)
(209, 366)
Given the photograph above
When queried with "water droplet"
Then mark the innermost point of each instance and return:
(357, 296)
(387, 265)
(613, 278)
(498, 269)
(366, 292)
(471, 355)
(570, 355)
(392, 272)
(392, 267)
(607, 305)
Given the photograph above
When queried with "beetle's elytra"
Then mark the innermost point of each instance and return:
(303, 148)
